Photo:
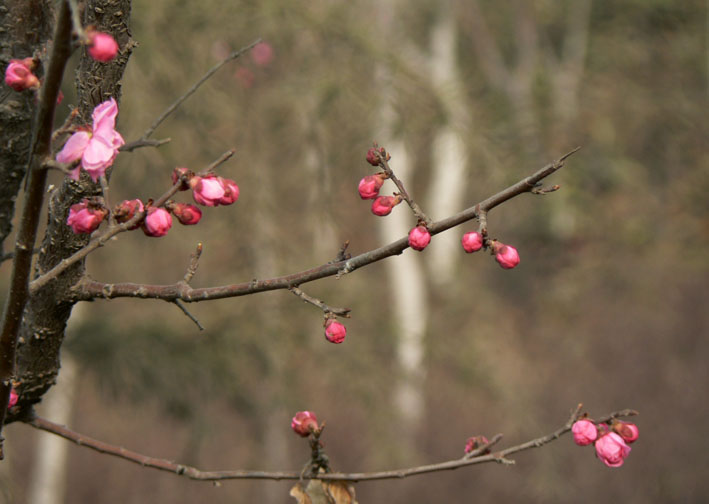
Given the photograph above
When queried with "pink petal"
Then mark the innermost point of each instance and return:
(97, 157)
(74, 147)
(104, 115)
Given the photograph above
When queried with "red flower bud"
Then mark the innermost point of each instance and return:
(207, 190)
(383, 204)
(334, 331)
(304, 422)
(585, 432)
(126, 210)
(628, 431)
(419, 238)
(369, 186)
(506, 255)
(472, 241)
(102, 46)
(475, 442)
(85, 217)
(374, 154)
(231, 191)
(186, 213)
(13, 398)
(19, 76)
(158, 222)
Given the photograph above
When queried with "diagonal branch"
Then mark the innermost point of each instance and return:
(197, 474)
(89, 289)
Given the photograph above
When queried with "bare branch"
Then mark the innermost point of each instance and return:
(384, 163)
(89, 289)
(341, 312)
(499, 457)
(182, 307)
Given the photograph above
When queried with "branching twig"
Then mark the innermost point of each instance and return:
(197, 474)
(384, 163)
(89, 289)
(340, 312)
(189, 315)
(194, 262)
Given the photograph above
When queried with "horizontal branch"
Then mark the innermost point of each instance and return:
(89, 289)
(197, 474)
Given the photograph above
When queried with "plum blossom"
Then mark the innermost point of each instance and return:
(585, 432)
(506, 255)
(158, 222)
(102, 46)
(96, 148)
(214, 191)
(304, 422)
(334, 331)
(612, 450)
(419, 238)
(472, 241)
(85, 217)
(369, 186)
(19, 76)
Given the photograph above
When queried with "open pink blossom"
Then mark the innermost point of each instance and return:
(304, 422)
(612, 450)
(85, 217)
(158, 222)
(369, 186)
(19, 76)
(334, 331)
(472, 241)
(207, 190)
(585, 432)
(96, 148)
(102, 47)
(419, 238)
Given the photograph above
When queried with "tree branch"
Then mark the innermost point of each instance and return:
(197, 474)
(89, 289)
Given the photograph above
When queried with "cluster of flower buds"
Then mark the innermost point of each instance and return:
(611, 441)
(505, 255)
(369, 186)
(335, 332)
(19, 76)
(475, 442)
(304, 423)
(102, 46)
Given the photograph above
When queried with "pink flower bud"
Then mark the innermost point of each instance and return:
(472, 241)
(186, 213)
(373, 155)
(231, 191)
(611, 449)
(475, 442)
(419, 238)
(628, 431)
(102, 46)
(19, 76)
(85, 217)
(207, 190)
(262, 54)
(383, 204)
(183, 174)
(304, 422)
(158, 222)
(505, 255)
(334, 331)
(13, 398)
(126, 210)
(369, 186)
(585, 432)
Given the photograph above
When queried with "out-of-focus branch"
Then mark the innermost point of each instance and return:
(499, 457)
(34, 197)
(143, 140)
(89, 289)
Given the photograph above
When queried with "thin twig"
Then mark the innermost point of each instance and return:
(194, 260)
(182, 307)
(131, 146)
(197, 474)
(384, 163)
(340, 312)
(89, 289)
(223, 158)
(194, 88)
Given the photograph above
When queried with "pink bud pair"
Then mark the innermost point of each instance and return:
(19, 76)
(102, 46)
(304, 423)
(419, 238)
(334, 331)
(85, 217)
(213, 191)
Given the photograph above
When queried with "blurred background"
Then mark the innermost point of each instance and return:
(608, 306)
